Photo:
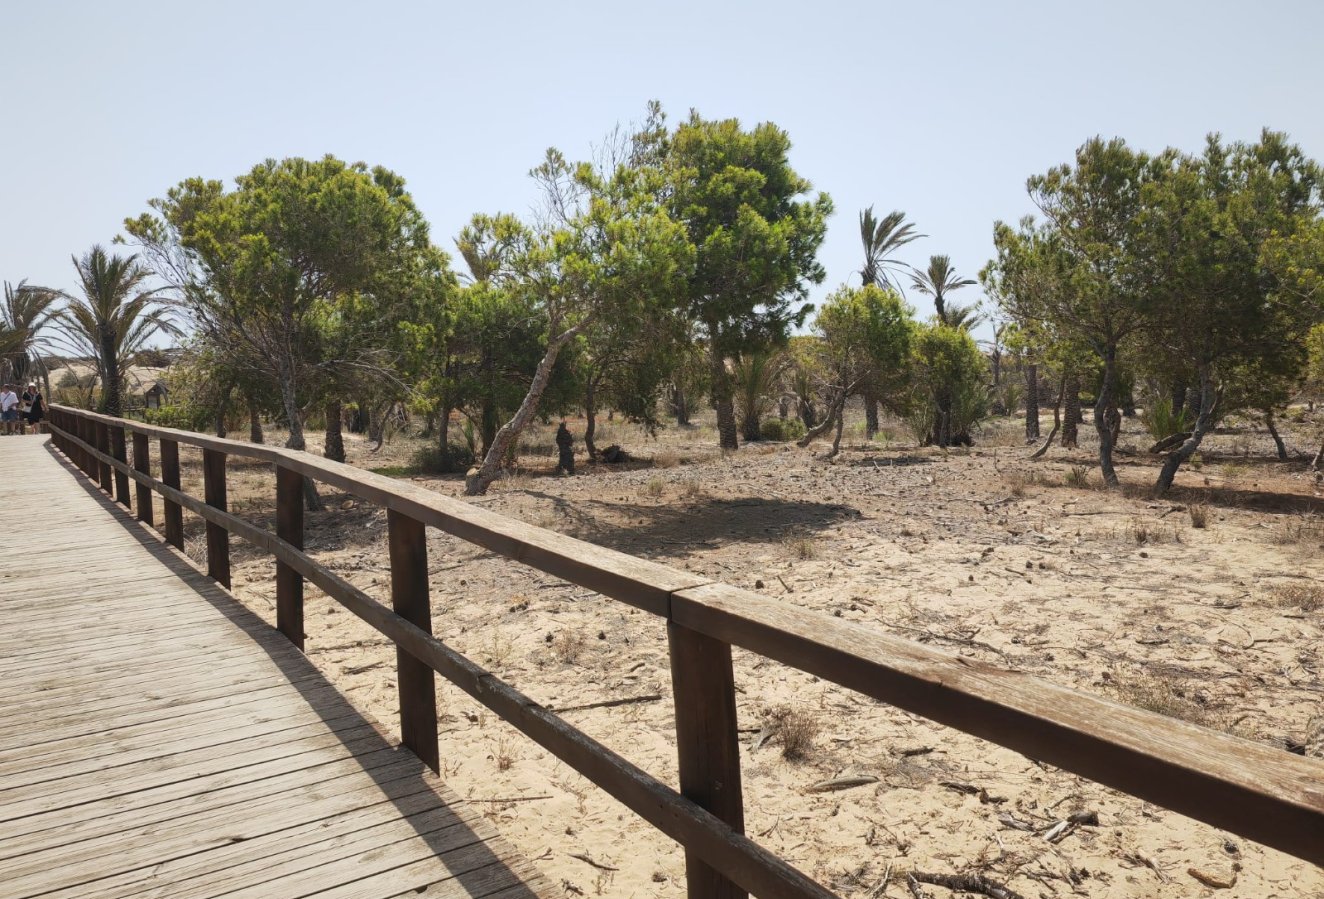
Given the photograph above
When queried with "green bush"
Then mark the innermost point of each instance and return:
(429, 459)
(1161, 421)
(949, 396)
(182, 417)
(782, 430)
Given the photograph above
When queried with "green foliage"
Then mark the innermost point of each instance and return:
(867, 334)
(781, 430)
(1161, 420)
(949, 396)
(431, 460)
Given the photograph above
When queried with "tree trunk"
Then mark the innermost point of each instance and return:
(1057, 421)
(723, 399)
(1102, 404)
(444, 440)
(1031, 402)
(255, 434)
(294, 415)
(680, 405)
(1273, 432)
(834, 409)
(750, 425)
(479, 479)
(591, 421)
(1070, 410)
(110, 388)
(1319, 458)
(335, 441)
(806, 412)
(1209, 397)
(1177, 399)
(870, 414)
(836, 440)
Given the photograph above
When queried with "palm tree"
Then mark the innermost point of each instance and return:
(26, 312)
(882, 238)
(938, 281)
(113, 318)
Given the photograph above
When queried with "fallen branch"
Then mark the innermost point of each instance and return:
(1209, 880)
(970, 883)
(510, 799)
(1148, 863)
(588, 860)
(842, 783)
(1168, 443)
(607, 704)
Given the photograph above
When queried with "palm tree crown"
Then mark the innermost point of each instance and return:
(26, 311)
(938, 281)
(113, 317)
(882, 238)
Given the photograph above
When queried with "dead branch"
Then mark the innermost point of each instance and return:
(970, 883)
(588, 860)
(842, 783)
(608, 703)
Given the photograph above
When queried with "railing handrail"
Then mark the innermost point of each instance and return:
(1251, 789)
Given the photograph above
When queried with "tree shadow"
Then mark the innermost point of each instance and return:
(1264, 501)
(886, 461)
(680, 530)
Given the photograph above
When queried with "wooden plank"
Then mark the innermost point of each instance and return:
(415, 681)
(118, 450)
(1255, 790)
(289, 528)
(218, 539)
(709, 752)
(173, 513)
(143, 463)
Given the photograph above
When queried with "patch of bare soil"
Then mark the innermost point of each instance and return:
(1206, 604)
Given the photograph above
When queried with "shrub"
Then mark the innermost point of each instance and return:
(1199, 515)
(949, 397)
(796, 729)
(1077, 477)
(1161, 421)
(782, 429)
(429, 459)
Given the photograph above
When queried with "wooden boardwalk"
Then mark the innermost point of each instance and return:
(157, 739)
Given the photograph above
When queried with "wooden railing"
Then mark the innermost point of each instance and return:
(1251, 789)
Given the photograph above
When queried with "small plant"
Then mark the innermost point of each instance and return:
(782, 429)
(1162, 695)
(568, 646)
(1199, 513)
(501, 755)
(796, 730)
(691, 490)
(1304, 595)
(667, 458)
(1141, 532)
(655, 487)
(1078, 478)
(1161, 421)
(1018, 481)
(802, 547)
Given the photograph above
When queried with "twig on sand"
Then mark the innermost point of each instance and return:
(607, 703)
(844, 782)
(970, 883)
(588, 860)
(1148, 863)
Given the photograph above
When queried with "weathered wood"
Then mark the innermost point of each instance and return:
(218, 538)
(172, 511)
(193, 752)
(142, 463)
(410, 599)
(1249, 788)
(289, 528)
(707, 744)
(120, 453)
(102, 430)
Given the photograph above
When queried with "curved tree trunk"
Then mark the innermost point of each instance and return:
(723, 399)
(1273, 432)
(1031, 402)
(834, 411)
(1057, 421)
(836, 439)
(591, 420)
(1204, 422)
(870, 414)
(479, 479)
(1070, 410)
(1102, 427)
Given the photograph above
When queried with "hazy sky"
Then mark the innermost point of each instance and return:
(939, 109)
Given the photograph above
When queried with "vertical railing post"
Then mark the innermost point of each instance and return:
(120, 452)
(103, 446)
(142, 463)
(289, 527)
(703, 685)
(88, 432)
(218, 538)
(173, 512)
(409, 598)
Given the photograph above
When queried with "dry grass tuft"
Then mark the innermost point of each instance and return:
(1165, 696)
(1078, 478)
(1307, 596)
(655, 487)
(1018, 481)
(802, 547)
(796, 730)
(1199, 515)
(667, 458)
(569, 646)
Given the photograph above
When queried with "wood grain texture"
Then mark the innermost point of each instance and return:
(157, 739)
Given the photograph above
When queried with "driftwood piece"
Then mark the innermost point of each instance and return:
(970, 883)
(844, 782)
(588, 860)
(1213, 881)
(607, 703)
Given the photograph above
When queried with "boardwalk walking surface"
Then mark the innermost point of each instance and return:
(157, 739)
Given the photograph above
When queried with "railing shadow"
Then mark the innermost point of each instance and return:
(480, 871)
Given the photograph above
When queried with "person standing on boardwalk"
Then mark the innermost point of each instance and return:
(8, 408)
(34, 409)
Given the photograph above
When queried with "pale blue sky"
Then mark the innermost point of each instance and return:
(939, 109)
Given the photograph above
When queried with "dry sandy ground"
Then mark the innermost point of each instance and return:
(979, 551)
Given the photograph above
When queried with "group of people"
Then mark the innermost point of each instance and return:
(17, 412)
